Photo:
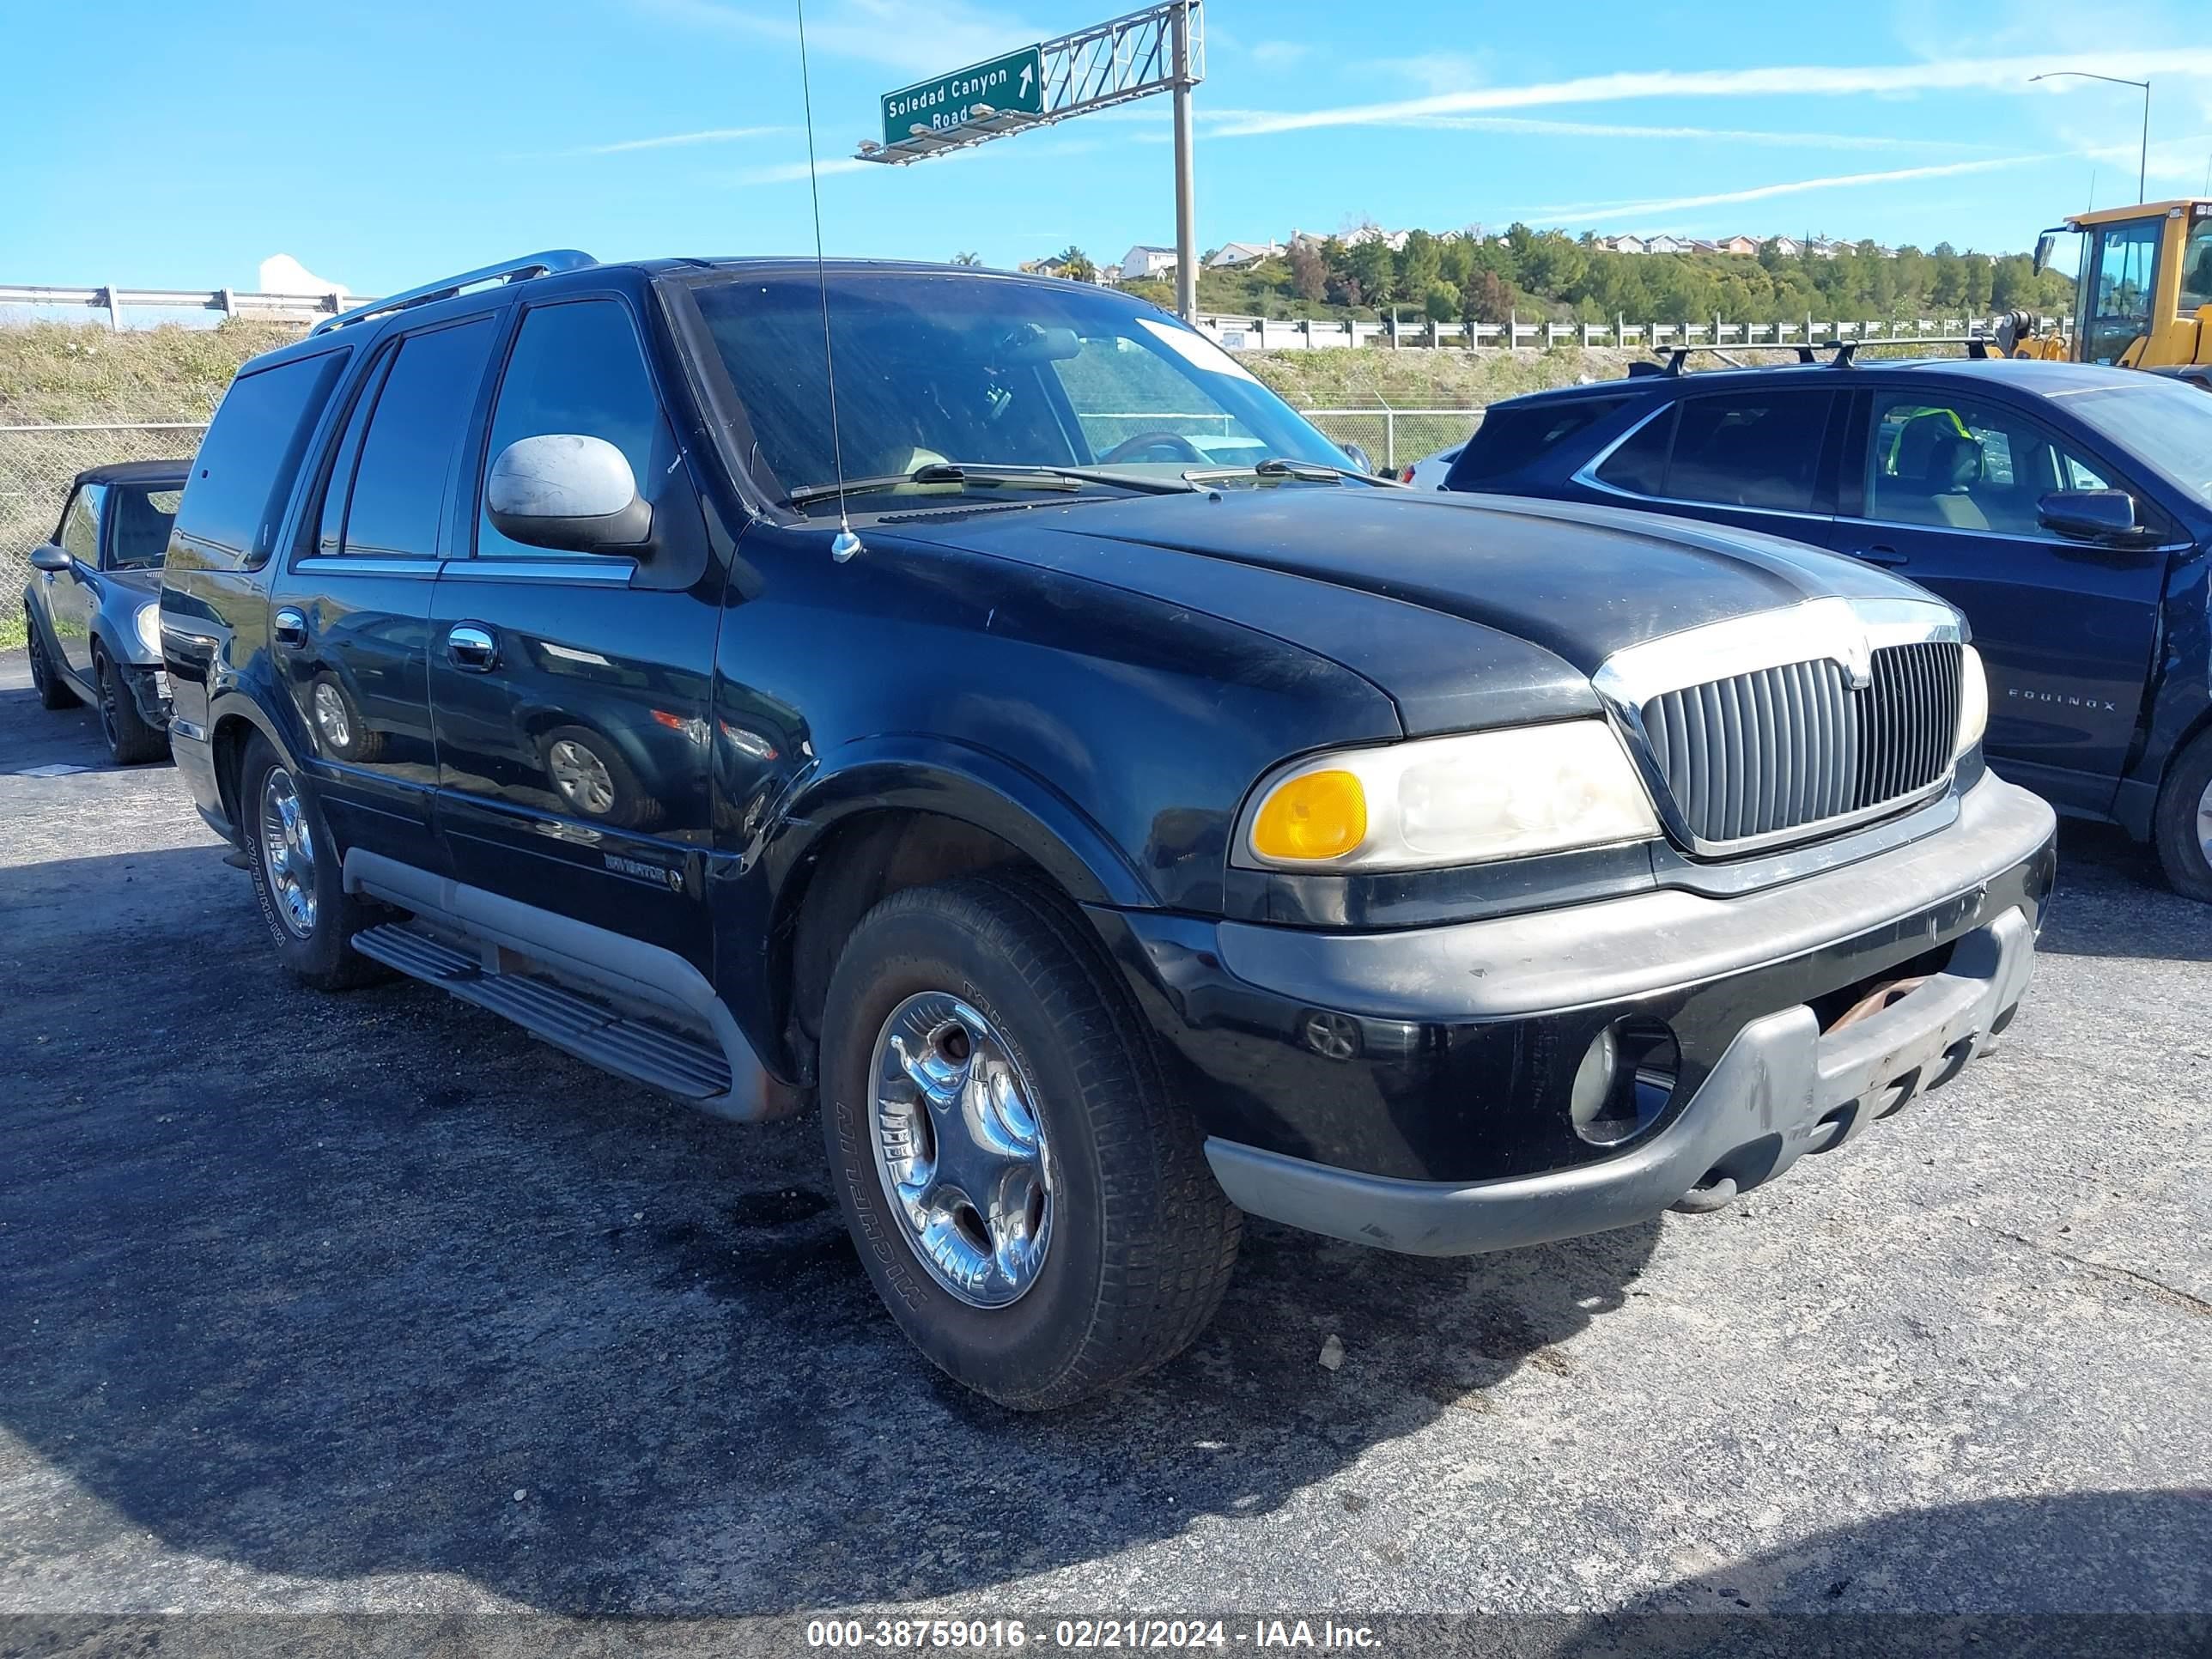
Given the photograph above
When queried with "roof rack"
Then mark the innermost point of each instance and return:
(511, 270)
(1977, 347)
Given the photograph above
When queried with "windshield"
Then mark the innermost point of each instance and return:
(940, 366)
(141, 514)
(2165, 423)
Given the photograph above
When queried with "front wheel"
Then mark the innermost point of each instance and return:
(131, 740)
(2182, 828)
(1034, 1210)
(297, 878)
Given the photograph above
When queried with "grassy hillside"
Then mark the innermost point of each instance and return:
(67, 373)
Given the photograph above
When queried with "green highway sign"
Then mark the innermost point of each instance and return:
(1013, 81)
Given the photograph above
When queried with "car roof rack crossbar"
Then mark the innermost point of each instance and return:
(510, 270)
(1979, 346)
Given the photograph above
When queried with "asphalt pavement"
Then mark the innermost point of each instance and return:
(371, 1303)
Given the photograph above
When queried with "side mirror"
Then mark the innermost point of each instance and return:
(1360, 463)
(2091, 515)
(49, 558)
(2043, 244)
(567, 491)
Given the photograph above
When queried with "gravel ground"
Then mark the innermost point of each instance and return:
(371, 1303)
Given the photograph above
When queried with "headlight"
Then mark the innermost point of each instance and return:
(1450, 800)
(149, 629)
(1973, 702)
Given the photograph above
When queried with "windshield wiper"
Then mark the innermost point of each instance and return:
(985, 475)
(1282, 466)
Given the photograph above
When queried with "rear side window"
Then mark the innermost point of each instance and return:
(399, 495)
(242, 475)
(1512, 438)
(1639, 465)
(1758, 449)
(81, 526)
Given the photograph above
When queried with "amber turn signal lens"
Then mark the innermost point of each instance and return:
(1319, 814)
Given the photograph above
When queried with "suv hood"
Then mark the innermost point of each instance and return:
(1467, 610)
(147, 582)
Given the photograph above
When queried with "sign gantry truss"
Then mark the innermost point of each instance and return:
(1111, 62)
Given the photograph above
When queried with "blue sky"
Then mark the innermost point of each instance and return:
(382, 145)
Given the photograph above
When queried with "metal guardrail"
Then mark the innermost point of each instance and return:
(274, 308)
(1276, 334)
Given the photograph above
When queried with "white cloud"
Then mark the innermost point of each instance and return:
(1618, 210)
(1280, 54)
(787, 172)
(1724, 134)
(883, 31)
(282, 274)
(1437, 71)
(673, 140)
(1955, 73)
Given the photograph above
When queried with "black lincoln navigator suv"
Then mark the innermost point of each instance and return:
(1117, 814)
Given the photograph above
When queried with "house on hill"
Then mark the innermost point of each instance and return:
(1144, 260)
(1743, 247)
(1231, 255)
(1665, 244)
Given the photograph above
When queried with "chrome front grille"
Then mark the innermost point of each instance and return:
(1760, 754)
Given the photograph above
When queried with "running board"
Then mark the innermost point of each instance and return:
(646, 1053)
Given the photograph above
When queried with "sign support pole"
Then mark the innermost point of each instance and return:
(1186, 187)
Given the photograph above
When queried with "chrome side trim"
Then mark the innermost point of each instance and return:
(1845, 631)
(353, 564)
(588, 569)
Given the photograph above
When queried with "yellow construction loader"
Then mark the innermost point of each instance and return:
(2143, 296)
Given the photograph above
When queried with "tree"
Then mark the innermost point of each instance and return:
(1488, 299)
(1075, 264)
(1374, 268)
(1444, 302)
(1309, 273)
(1420, 266)
(967, 259)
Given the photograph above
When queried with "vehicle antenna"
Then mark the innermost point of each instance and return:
(844, 544)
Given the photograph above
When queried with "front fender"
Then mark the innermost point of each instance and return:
(919, 773)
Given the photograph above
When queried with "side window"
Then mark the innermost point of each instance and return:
(576, 368)
(1753, 448)
(2197, 266)
(242, 475)
(2126, 267)
(1967, 466)
(1639, 465)
(1510, 439)
(399, 495)
(80, 525)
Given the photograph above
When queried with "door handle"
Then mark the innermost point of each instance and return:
(288, 628)
(470, 647)
(1888, 557)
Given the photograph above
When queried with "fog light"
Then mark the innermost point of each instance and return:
(1626, 1078)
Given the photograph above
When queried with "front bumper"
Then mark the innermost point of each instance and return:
(149, 690)
(1410, 1089)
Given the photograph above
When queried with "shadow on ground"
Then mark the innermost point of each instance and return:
(338, 1287)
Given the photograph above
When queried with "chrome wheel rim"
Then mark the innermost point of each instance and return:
(2204, 823)
(330, 717)
(581, 777)
(287, 852)
(960, 1150)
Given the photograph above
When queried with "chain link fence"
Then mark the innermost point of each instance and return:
(38, 462)
(36, 465)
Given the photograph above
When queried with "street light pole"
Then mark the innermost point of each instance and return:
(1186, 187)
(2142, 169)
